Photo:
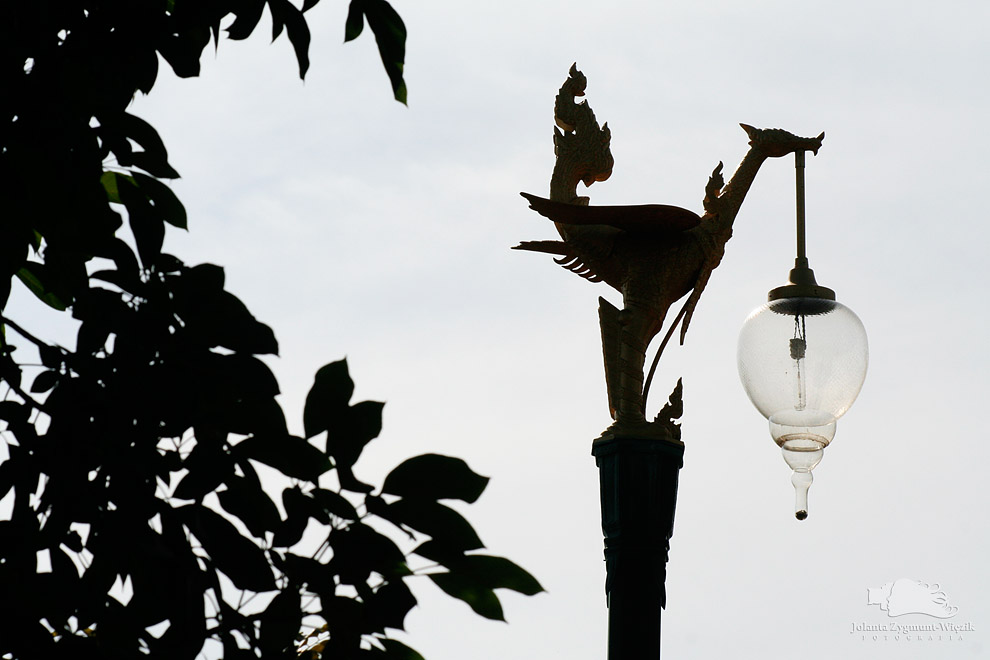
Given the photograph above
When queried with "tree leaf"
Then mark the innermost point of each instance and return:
(187, 616)
(364, 422)
(14, 413)
(306, 570)
(164, 200)
(331, 392)
(481, 599)
(51, 356)
(6, 477)
(280, 622)
(238, 330)
(168, 263)
(396, 650)
(358, 550)
(101, 307)
(248, 501)
(390, 34)
(277, 23)
(472, 578)
(183, 49)
(154, 158)
(285, 12)
(355, 20)
(216, 317)
(33, 275)
(335, 503)
(146, 225)
(238, 557)
(297, 510)
(208, 276)
(248, 13)
(45, 381)
(440, 522)
(435, 477)
(4, 291)
(10, 371)
(263, 417)
(345, 618)
(92, 336)
(236, 378)
(390, 605)
(209, 466)
(350, 429)
(439, 553)
(289, 454)
(498, 573)
(109, 181)
(484, 570)
(123, 257)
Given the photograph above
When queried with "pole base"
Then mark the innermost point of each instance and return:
(638, 479)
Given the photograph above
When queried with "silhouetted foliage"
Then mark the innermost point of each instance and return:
(134, 521)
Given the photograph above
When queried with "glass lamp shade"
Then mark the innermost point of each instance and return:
(802, 361)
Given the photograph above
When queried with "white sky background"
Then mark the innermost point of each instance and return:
(356, 226)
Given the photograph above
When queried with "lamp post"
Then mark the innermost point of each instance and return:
(656, 255)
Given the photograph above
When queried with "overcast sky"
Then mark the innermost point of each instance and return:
(358, 227)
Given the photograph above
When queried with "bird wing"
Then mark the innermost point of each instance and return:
(569, 258)
(648, 218)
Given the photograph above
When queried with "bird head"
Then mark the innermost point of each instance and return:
(577, 82)
(776, 142)
(600, 167)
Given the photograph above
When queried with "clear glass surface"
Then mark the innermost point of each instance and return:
(805, 385)
(802, 362)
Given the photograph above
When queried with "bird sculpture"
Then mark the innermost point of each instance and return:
(653, 254)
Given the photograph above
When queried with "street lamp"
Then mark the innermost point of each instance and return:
(656, 255)
(802, 360)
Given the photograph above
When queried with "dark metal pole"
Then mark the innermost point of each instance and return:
(801, 282)
(799, 185)
(638, 491)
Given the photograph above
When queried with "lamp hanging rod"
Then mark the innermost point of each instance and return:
(801, 282)
(799, 176)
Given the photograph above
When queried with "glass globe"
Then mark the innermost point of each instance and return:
(802, 361)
